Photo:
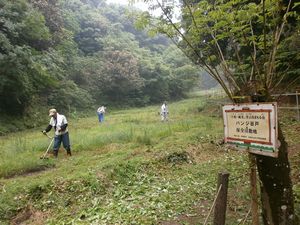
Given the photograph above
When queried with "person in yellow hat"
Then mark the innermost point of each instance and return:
(59, 123)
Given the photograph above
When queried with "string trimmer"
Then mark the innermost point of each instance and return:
(52, 139)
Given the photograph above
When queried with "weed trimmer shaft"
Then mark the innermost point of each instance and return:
(52, 139)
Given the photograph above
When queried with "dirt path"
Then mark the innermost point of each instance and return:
(31, 172)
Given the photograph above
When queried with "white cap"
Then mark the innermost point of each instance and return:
(52, 112)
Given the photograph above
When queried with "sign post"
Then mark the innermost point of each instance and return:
(252, 127)
(253, 190)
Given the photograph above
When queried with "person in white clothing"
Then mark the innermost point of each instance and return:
(100, 112)
(59, 123)
(164, 112)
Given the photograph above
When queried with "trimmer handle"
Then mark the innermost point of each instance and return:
(44, 133)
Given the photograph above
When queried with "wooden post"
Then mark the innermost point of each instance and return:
(283, 209)
(253, 190)
(297, 102)
(221, 202)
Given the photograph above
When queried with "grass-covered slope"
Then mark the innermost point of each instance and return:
(132, 169)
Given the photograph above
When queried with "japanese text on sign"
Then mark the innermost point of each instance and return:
(252, 125)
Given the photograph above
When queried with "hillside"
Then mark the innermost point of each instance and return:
(132, 169)
(76, 55)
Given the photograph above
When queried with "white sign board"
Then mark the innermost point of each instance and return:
(252, 126)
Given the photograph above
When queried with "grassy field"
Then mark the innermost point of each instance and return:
(132, 169)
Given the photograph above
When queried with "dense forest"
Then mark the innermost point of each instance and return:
(77, 54)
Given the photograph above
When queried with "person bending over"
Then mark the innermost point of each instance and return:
(60, 124)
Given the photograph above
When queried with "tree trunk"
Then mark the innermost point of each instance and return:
(276, 187)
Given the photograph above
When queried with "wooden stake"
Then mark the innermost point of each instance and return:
(221, 202)
(253, 190)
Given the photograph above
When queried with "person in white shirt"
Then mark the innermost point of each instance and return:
(164, 112)
(100, 112)
(60, 124)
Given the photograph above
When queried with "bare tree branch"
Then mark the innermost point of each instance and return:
(209, 69)
(277, 36)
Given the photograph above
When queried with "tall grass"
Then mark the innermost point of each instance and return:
(132, 169)
(20, 152)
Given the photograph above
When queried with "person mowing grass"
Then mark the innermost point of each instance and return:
(164, 112)
(101, 112)
(60, 123)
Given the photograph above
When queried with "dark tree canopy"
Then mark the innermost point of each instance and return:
(72, 54)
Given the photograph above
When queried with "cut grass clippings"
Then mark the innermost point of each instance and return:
(132, 169)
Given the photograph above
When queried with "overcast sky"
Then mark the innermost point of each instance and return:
(139, 5)
(144, 7)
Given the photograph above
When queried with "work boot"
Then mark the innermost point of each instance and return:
(55, 153)
(69, 153)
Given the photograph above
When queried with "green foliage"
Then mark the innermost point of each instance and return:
(114, 177)
(72, 56)
(93, 27)
(144, 139)
(288, 59)
(22, 76)
(249, 45)
(68, 94)
(178, 158)
(123, 77)
(33, 27)
(244, 46)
